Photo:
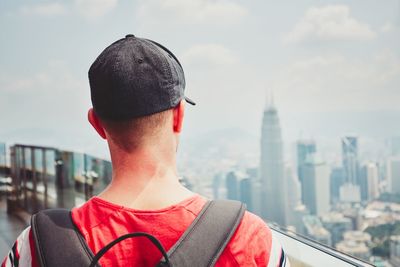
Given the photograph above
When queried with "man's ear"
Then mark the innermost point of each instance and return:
(178, 113)
(95, 122)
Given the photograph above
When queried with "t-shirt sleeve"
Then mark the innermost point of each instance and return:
(22, 252)
(254, 244)
(277, 256)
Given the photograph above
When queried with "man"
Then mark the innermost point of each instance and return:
(137, 90)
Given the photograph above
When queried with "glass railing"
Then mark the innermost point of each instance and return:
(304, 252)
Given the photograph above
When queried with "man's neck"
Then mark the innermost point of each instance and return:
(146, 179)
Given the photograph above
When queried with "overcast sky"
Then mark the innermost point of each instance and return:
(318, 57)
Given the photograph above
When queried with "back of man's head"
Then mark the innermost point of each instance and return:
(135, 83)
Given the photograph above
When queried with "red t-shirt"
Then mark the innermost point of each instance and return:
(101, 222)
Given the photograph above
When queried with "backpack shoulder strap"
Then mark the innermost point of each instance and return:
(206, 238)
(57, 240)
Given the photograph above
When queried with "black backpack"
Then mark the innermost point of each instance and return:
(59, 243)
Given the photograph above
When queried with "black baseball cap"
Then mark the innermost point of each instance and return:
(135, 77)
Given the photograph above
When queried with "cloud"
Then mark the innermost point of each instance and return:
(48, 107)
(45, 9)
(93, 9)
(387, 27)
(55, 90)
(38, 82)
(90, 9)
(329, 23)
(335, 82)
(208, 55)
(210, 12)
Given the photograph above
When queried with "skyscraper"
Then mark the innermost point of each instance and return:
(373, 180)
(316, 183)
(350, 190)
(216, 186)
(294, 190)
(305, 150)
(369, 181)
(293, 198)
(245, 192)
(232, 186)
(272, 182)
(337, 180)
(350, 159)
(393, 175)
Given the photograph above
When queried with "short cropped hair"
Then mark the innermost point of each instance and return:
(131, 134)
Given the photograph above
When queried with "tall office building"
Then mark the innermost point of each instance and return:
(294, 190)
(393, 175)
(253, 174)
(273, 187)
(245, 192)
(337, 180)
(216, 186)
(373, 180)
(350, 159)
(294, 204)
(316, 183)
(232, 190)
(350, 191)
(305, 150)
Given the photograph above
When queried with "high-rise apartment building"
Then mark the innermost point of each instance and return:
(272, 183)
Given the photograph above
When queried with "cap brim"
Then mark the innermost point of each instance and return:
(190, 101)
